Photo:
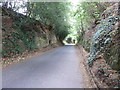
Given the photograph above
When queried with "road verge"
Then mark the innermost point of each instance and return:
(6, 62)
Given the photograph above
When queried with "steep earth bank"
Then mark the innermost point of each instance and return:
(102, 44)
(21, 34)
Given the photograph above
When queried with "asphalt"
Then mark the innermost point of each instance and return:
(58, 68)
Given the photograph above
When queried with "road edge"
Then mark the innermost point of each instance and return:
(30, 55)
(87, 75)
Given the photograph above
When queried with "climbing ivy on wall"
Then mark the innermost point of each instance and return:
(103, 38)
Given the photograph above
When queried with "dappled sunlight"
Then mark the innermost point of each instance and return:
(89, 29)
(70, 40)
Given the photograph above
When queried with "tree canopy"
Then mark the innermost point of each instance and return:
(63, 17)
(53, 14)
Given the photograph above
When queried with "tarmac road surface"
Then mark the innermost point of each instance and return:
(58, 68)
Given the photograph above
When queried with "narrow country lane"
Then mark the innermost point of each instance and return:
(58, 68)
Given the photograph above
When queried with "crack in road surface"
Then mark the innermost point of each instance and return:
(58, 68)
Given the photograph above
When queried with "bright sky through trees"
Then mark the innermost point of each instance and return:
(69, 17)
(72, 20)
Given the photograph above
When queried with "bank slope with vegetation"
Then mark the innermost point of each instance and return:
(101, 40)
(93, 25)
(40, 25)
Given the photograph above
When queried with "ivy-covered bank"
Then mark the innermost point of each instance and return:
(105, 41)
(106, 38)
(102, 42)
(21, 33)
(33, 25)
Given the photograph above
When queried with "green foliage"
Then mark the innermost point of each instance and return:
(27, 35)
(112, 56)
(50, 14)
(53, 14)
(86, 14)
(69, 40)
(12, 45)
(17, 39)
(102, 40)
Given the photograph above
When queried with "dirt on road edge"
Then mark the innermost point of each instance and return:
(26, 56)
(87, 77)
